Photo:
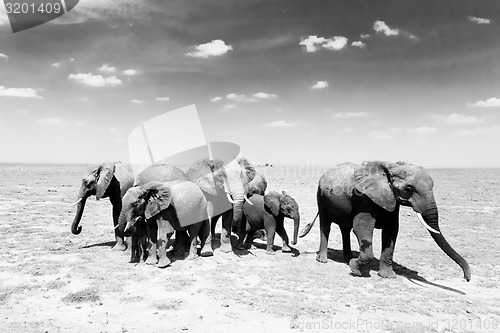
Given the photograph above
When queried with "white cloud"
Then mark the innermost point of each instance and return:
(240, 98)
(456, 118)
(280, 123)
(381, 26)
(4, 56)
(214, 48)
(56, 65)
(19, 92)
(91, 80)
(359, 44)
(228, 106)
(130, 72)
(163, 99)
(263, 95)
(489, 103)
(479, 20)
(313, 42)
(216, 99)
(137, 101)
(320, 85)
(53, 122)
(349, 115)
(106, 68)
(364, 36)
(425, 130)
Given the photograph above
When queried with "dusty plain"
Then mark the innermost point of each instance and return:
(54, 281)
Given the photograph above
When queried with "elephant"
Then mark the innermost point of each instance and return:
(225, 187)
(367, 196)
(104, 180)
(268, 212)
(155, 172)
(166, 207)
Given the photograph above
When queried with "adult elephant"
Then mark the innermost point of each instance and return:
(166, 207)
(367, 196)
(225, 187)
(106, 180)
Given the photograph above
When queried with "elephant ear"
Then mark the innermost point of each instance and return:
(105, 174)
(158, 198)
(372, 179)
(248, 172)
(272, 201)
(202, 172)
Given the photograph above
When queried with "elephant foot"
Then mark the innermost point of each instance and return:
(152, 260)
(386, 272)
(286, 249)
(225, 247)
(270, 252)
(355, 268)
(322, 257)
(192, 257)
(247, 246)
(207, 251)
(348, 257)
(164, 262)
(135, 259)
(119, 247)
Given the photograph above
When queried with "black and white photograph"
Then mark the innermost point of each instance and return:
(249, 166)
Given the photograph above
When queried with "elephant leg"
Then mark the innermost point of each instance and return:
(249, 239)
(135, 252)
(163, 260)
(270, 239)
(180, 243)
(363, 225)
(389, 235)
(206, 240)
(225, 235)
(241, 233)
(194, 231)
(324, 231)
(280, 230)
(152, 235)
(120, 245)
(346, 243)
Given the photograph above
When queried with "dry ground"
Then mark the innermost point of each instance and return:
(53, 281)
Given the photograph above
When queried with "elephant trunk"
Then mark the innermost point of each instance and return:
(75, 228)
(431, 217)
(296, 225)
(122, 222)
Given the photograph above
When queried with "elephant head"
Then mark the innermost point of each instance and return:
(143, 202)
(283, 204)
(388, 184)
(95, 181)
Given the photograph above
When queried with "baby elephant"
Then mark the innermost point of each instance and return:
(269, 212)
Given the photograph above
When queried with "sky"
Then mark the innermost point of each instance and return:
(289, 81)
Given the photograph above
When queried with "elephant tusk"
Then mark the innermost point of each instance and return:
(76, 202)
(128, 226)
(426, 226)
(248, 201)
(230, 199)
(116, 227)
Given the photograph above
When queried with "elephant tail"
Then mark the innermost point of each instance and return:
(308, 227)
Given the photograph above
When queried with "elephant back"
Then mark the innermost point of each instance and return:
(189, 202)
(161, 173)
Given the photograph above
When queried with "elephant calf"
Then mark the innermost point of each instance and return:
(166, 207)
(268, 212)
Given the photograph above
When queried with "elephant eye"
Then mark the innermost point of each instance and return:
(409, 188)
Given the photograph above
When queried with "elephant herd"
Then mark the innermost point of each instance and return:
(163, 200)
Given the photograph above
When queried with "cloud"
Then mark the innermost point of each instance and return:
(216, 47)
(216, 99)
(320, 85)
(4, 56)
(280, 123)
(137, 101)
(313, 43)
(80, 123)
(359, 44)
(240, 98)
(349, 115)
(163, 99)
(263, 95)
(382, 27)
(19, 92)
(364, 36)
(130, 72)
(456, 118)
(228, 106)
(53, 122)
(385, 134)
(478, 20)
(106, 68)
(91, 80)
(56, 65)
(489, 103)
(425, 130)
